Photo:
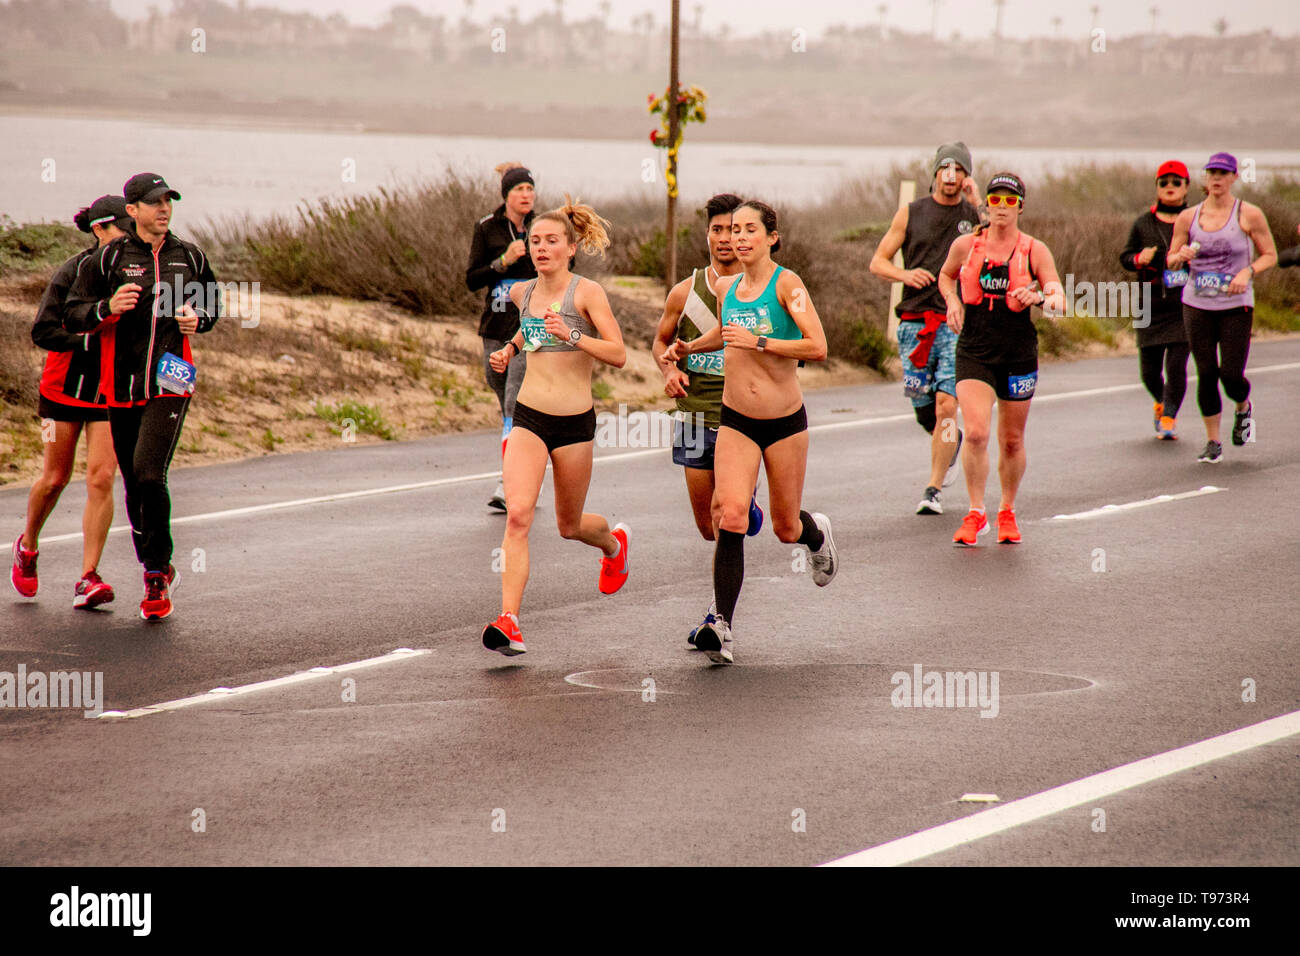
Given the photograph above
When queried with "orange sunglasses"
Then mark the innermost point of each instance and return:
(1011, 202)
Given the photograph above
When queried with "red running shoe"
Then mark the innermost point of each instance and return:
(91, 591)
(503, 635)
(23, 574)
(1008, 532)
(157, 603)
(613, 571)
(973, 525)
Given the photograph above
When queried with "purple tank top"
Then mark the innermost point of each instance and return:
(1223, 254)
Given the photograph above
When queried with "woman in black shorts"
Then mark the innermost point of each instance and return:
(990, 281)
(70, 403)
(567, 326)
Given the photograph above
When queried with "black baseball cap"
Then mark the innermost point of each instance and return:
(105, 211)
(147, 187)
(1008, 181)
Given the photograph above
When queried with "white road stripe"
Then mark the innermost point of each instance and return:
(1130, 505)
(222, 693)
(600, 459)
(1028, 809)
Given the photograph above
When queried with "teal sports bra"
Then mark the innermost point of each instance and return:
(763, 316)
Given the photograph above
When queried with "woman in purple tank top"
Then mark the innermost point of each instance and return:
(1215, 237)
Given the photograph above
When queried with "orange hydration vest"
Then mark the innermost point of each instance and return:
(1018, 271)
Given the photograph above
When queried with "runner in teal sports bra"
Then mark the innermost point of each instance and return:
(768, 324)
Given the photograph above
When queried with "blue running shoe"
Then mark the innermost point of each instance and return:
(755, 516)
(710, 618)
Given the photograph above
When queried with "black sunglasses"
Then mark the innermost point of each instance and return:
(1170, 181)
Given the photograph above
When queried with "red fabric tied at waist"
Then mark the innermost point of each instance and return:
(920, 356)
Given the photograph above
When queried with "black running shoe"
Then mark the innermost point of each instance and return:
(1241, 422)
(1213, 452)
(930, 504)
(498, 499)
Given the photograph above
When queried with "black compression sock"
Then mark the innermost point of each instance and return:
(812, 536)
(728, 572)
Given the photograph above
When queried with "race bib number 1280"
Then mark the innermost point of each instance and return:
(1022, 386)
(175, 374)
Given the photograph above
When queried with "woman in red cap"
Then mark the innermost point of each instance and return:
(1161, 338)
(1215, 238)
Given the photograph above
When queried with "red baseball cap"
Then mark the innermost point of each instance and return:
(1172, 166)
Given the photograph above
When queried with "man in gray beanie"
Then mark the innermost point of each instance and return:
(923, 230)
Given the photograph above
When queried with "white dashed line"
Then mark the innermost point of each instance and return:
(222, 693)
(947, 836)
(1129, 506)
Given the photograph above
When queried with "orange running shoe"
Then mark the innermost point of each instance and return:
(503, 635)
(973, 525)
(613, 571)
(1008, 532)
(1158, 410)
(1166, 429)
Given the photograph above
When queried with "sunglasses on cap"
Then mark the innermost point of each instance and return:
(996, 199)
(1170, 181)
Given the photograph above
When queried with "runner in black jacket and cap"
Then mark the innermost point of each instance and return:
(1162, 341)
(70, 403)
(498, 258)
(145, 294)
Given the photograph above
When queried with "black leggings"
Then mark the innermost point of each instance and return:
(1164, 373)
(144, 439)
(1220, 342)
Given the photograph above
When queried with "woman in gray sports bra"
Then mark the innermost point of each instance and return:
(565, 320)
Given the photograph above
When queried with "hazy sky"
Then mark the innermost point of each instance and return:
(970, 17)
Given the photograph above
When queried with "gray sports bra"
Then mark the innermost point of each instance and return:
(536, 338)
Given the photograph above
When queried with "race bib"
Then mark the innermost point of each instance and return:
(705, 363)
(175, 374)
(535, 334)
(916, 382)
(1211, 283)
(1022, 386)
(1175, 278)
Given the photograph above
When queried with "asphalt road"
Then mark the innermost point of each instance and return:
(460, 756)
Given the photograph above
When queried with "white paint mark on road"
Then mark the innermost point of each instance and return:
(947, 836)
(600, 459)
(222, 693)
(1129, 506)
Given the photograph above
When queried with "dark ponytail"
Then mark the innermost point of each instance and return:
(82, 219)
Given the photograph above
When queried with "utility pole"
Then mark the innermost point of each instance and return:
(674, 131)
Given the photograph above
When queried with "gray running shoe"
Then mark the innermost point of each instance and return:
(825, 561)
(714, 639)
(1213, 452)
(930, 504)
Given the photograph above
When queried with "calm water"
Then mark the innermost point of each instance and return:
(237, 171)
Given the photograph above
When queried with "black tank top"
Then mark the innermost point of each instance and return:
(931, 229)
(992, 333)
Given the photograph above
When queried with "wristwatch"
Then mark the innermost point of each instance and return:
(762, 342)
(574, 335)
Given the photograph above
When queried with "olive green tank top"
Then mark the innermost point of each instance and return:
(703, 369)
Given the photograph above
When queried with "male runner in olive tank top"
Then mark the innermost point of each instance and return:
(924, 230)
(690, 310)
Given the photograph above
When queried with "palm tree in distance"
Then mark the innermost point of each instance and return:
(1095, 9)
(1155, 12)
(1056, 27)
(882, 9)
(934, 18)
(1221, 26)
(997, 20)
(699, 17)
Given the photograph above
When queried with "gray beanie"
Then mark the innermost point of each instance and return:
(954, 151)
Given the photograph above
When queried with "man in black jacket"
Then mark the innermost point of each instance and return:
(145, 294)
(498, 258)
